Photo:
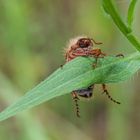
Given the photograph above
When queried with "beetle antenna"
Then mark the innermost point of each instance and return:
(98, 43)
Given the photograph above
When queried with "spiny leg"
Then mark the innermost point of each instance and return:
(75, 98)
(104, 86)
(95, 64)
(96, 54)
(108, 95)
(96, 60)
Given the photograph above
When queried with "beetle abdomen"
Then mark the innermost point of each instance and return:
(85, 92)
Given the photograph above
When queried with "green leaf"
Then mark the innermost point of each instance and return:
(110, 9)
(130, 14)
(76, 74)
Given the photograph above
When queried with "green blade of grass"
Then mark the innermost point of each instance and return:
(110, 9)
(130, 14)
(76, 74)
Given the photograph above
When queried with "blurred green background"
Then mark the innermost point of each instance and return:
(33, 35)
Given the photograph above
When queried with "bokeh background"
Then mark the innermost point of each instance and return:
(33, 34)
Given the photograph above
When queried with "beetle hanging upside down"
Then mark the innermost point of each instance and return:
(83, 46)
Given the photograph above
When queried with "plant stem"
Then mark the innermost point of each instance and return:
(130, 13)
(110, 9)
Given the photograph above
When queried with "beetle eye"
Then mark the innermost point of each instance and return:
(83, 44)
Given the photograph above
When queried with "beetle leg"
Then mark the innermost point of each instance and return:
(75, 98)
(108, 95)
(96, 54)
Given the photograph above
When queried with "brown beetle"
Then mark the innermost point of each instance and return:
(84, 46)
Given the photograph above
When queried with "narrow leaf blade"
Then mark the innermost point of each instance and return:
(76, 74)
(130, 13)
